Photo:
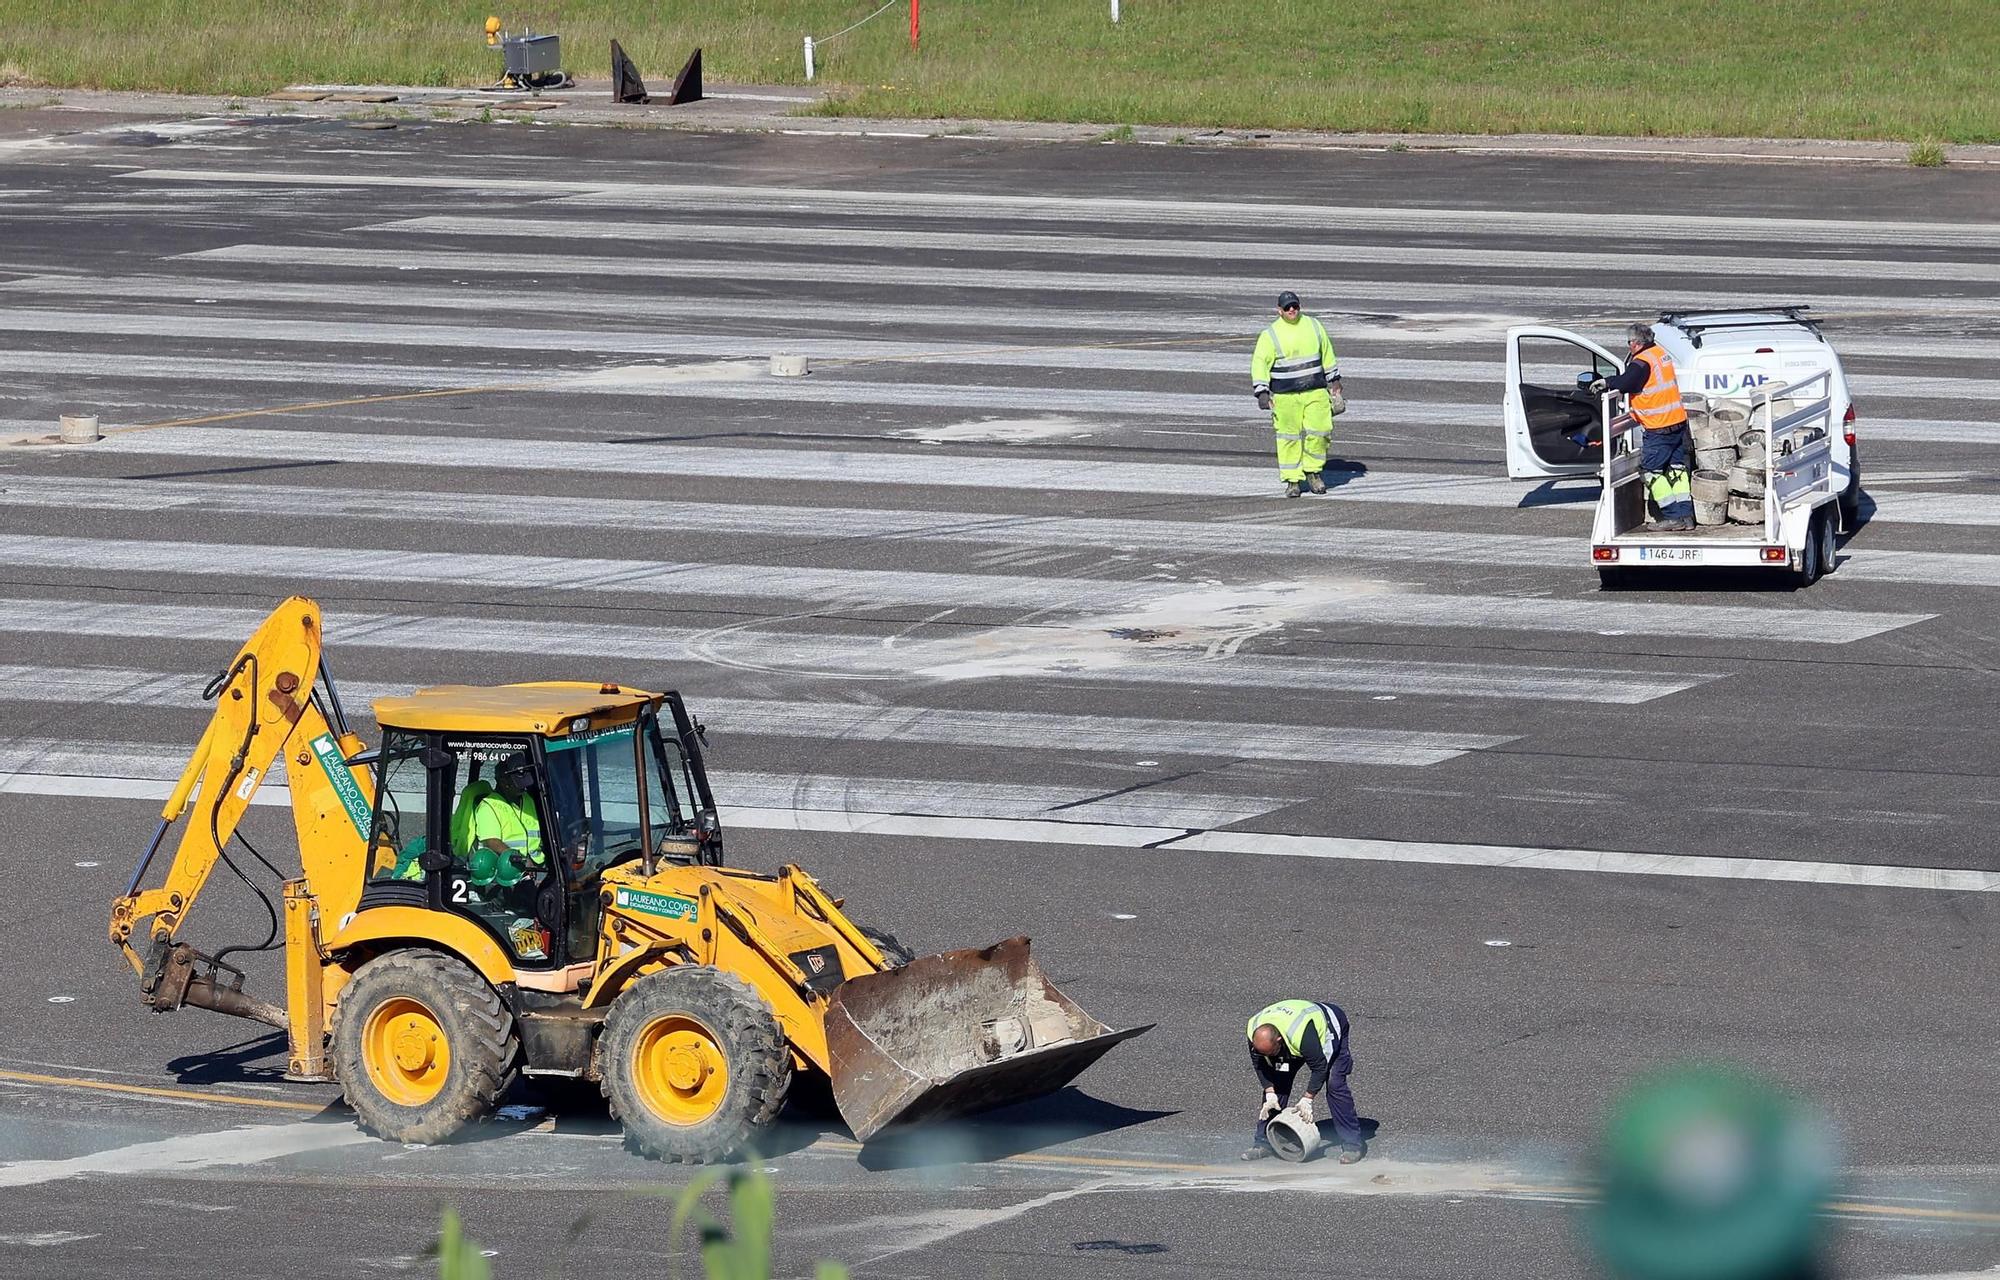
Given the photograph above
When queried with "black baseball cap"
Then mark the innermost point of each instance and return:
(1287, 299)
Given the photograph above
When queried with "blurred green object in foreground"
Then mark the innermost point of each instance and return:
(1710, 1174)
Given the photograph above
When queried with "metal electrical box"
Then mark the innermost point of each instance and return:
(531, 57)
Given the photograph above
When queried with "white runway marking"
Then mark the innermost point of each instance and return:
(187, 1153)
(1246, 286)
(1064, 534)
(945, 355)
(1354, 332)
(44, 766)
(920, 470)
(1153, 606)
(1228, 843)
(1842, 234)
(1302, 249)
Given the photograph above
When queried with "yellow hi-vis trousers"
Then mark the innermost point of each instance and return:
(1303, 421)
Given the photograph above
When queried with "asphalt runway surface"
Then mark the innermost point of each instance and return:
(1000, 624)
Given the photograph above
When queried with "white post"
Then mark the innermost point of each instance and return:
(1114, 10)
(809, 59)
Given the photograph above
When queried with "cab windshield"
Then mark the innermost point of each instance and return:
(594, 783)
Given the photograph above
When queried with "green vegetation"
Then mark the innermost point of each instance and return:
(1788, 68)
(737, 1250)
(1928, 154)
(1119, 133)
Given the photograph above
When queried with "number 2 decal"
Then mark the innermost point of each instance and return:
(458, 890)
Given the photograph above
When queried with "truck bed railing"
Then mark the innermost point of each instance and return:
(1798, 445)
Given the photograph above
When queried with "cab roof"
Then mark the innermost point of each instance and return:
(545, 707)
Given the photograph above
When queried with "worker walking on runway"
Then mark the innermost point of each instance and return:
(1312, 1034)
(1654, 392)
(1295, 374)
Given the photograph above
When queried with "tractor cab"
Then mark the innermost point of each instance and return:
(505, 805)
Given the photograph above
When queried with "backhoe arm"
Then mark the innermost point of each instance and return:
(267, 707)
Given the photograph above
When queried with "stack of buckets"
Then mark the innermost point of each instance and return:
(1728, 482)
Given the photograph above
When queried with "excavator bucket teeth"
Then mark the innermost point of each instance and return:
(951, 1034)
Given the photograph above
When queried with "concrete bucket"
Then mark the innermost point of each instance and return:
(1290, 1138)
(952, 1034)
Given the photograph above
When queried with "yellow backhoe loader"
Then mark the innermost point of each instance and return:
(528, 879)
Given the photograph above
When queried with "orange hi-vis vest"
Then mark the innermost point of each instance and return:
(1658, 404)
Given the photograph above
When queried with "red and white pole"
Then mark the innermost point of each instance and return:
(914, 6)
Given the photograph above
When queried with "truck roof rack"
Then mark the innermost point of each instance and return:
(1691, 322)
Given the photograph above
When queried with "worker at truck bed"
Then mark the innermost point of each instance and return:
(1313, 1035)
(1295, 374)
(1653, 394)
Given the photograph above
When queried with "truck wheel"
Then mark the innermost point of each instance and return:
(1829, 546)
(892, 950)
(1850, 497)
(1808, 571)
(422, 1045)
(694, 1064)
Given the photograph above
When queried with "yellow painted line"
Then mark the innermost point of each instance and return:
(148, 1091)
(307, 407)
(1904, 1211)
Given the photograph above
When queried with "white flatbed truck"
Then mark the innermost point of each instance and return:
(1774, 367)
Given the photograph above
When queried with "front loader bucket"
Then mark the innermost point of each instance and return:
(951, 1034)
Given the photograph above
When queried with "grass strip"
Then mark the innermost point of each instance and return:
(1762, 68)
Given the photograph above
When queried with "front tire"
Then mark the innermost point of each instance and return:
(422, 1045)
(694, 1064)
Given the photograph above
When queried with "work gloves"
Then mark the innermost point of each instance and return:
(1264, 400)
(1271, 1106)
(1596, 388)
(1302, 1111)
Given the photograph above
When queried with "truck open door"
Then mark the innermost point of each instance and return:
(1552, 420)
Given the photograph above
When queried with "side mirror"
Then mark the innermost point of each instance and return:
(1583, 380)
(434, 860)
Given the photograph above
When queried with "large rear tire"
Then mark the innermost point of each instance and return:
(422, 1046)
(694, 1064)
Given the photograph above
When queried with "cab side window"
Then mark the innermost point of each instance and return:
(402, 812)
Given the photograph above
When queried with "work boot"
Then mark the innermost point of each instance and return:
(1349, 1155)
(1291, 488)
(1257, 1151)
(1314, 483)
(1680, 524)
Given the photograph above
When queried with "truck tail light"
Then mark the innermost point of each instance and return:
(1847, 423)
(1774, 555)
(1602, 554)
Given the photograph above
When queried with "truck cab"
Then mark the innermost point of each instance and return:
(1719, 355)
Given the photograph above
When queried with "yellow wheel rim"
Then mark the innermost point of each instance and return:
(406, 1051)
(678, 1070)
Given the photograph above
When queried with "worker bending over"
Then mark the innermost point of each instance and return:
(1311, 1034)
(1295, 374)
(1654, 396)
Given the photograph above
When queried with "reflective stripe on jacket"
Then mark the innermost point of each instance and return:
(516, 826)
(1292, 1017)
(1291, 358)
(1658, 403)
